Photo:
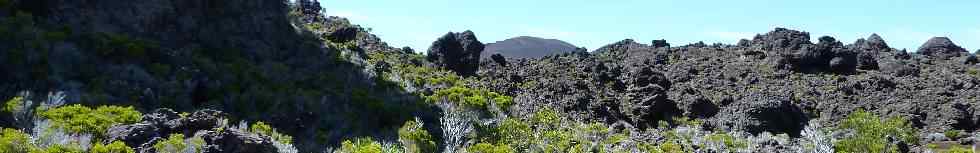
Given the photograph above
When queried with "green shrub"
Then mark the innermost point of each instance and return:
(515, 132)
(415, 138)
(114, 147)
(360, 145)
(73, 148)
(265, 129)
(728, 140)
(958, 149)
(14, 141)
(471, 97)
(13, 105)
(177, 144)
(546, 118)
(490, 148)
(952, 134)
(872, 132)
(80, 119)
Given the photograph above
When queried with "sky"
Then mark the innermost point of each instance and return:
(595, 23)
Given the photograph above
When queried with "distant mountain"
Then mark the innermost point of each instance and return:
(527, 47)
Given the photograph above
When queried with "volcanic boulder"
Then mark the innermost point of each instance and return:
(499, 59)
(458, 52)
(873, 43)
(781, 38)
(344, 34)
(763, 113)
(942, 48)
(660, 43)
(648, 104)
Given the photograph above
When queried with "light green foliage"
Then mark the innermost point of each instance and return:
(471, 97)
(728, 140)
(265, 129)
(114, 147)
(872, 133)
(60, 149)
(177, 144)
(13, 105)
(81, 119)
(415, 139)
(546, 118)
(515, 132)
(958, 149)
(952, 134)
(14, 141)
(490, 148)
(360, 145)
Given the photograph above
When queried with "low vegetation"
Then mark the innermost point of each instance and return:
(872, 134)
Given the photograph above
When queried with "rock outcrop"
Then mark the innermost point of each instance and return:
(660, 43)
(458, 52)
(206, 124)
(942, 48)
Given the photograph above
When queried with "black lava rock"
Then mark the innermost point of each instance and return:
(344, 34)
(458, 52)
(499, 59)
(660, 43)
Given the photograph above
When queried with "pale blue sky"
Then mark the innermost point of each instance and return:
(594, 23)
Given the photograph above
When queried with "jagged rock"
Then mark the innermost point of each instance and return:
(763, 113)
(134, 134)
(867, 60)
(744, 43)
(844, 62)
(903, 55)
(660, 43)
(941, 47)
(499, 59)
(781, 38)
(408, 50)
(970, 59)
(900, 69)
(702, 108)
(459, 52)
(648, 102)
(235, 141)
(343, 34)
(874, 43)
(160, 116)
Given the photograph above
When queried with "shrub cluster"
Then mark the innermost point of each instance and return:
(81, 119)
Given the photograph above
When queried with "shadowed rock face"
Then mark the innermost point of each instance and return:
(458, 52)
(941, 47)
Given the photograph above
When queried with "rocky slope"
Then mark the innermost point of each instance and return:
(326, 82)
(527, 47)
(777, 82)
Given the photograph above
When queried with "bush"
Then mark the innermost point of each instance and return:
(60, 149)
(490, 148)
(14, 141)
(80, 119)
(177, 144)
(114, 147)
(360, 145)
(265, 129)
(13, 105)
(415, 138)
(472, 98)
(952, 134)
(730, 142)
(872, 133)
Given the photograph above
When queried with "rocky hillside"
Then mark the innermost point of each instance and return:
(527, 47)
(278, 76)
